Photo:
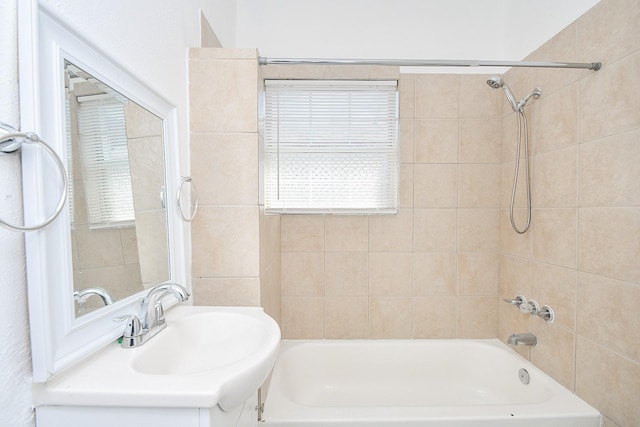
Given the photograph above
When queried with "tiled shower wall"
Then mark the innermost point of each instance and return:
(582, 254)
(432, 270)
(440, 268)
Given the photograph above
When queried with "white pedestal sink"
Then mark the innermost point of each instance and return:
(207, 359)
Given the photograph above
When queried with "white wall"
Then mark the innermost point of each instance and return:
(15, 355)
(427, 29)
(151, 40)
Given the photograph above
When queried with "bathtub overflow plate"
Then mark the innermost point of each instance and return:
(524, 376)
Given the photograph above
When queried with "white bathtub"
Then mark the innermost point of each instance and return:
(461, 383)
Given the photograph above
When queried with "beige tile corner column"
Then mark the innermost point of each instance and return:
(236, 259)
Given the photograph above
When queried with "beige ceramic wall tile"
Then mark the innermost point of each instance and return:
(435, 186)
(478, 230)
(146, 166)
(233, 84)
(479, 186)
(406, 186)
(435, 317)
(478, 100)
(383, 72)
(477, 317)
(129, 245)
(555, 352)
(390, 274)
(346, 274)
(555, 123)
(614, 21)
(390, 318)
(224, 167)
(609, 382)
(436, 141)
(153, 247)
(437, 96)
(605, 108)
(608, 314)
(480, 140)
(302, 274)
(511, 242)
(554, 236)
(609, 172)
(406, 139)
(346, 233)
(347, 317)
(341, 72)
(302, 317)
(302, 71)
(112, 279)
(554, 178)
(609, 244)
(478, 274)
(606, 422)
(562, 45)
(406, 94)
(506, 182)
(302, 232)
(227, 292)
(520, 81)
(510, 137)
(391, 233)
(141, 122)
(515, 277)
(133, 280)
(435, 230)
(270, 231)
(512, 321)
(556, 287)
(270, 292)
(434, 273)
(99, 248)
(227, 242)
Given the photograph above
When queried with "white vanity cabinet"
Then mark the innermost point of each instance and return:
(102, 416)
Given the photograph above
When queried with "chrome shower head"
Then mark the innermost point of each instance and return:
(496, 82)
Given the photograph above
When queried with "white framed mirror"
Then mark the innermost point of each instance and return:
(144, 245)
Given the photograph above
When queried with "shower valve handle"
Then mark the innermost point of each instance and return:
(518, 301)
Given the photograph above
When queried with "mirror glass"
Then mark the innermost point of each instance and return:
(117, 193)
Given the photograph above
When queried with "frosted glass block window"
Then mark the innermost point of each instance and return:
(331, 146)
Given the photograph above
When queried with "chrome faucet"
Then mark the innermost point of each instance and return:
(151, 320)
(83, 295)
(523, 339)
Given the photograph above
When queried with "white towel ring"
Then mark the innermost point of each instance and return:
(11, 142)
(184, 217)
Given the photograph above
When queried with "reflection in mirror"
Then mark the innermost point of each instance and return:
(116, 193)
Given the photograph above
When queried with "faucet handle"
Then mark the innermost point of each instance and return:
(133, 327)
(546, 313)
(518, 301)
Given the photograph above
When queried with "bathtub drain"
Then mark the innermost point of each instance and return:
(524, 376)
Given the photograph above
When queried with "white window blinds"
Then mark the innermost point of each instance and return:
(331, 146)
(105, 161)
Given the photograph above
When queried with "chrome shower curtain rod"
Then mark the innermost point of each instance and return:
(263, 60)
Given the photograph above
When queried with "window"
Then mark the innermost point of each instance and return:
(105, 161)
(331, 146)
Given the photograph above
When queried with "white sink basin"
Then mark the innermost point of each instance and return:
(204, 341)
(206, 356)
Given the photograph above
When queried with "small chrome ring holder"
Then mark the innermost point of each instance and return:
(11, 142)
(187, 218)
